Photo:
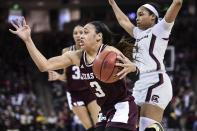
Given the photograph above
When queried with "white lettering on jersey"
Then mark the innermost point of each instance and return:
(87, 76)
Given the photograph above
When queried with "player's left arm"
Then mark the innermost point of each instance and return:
(173, 11)
(124, 62)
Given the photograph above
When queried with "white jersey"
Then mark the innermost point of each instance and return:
(151, 46)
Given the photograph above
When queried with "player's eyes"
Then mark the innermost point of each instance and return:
(140, 14)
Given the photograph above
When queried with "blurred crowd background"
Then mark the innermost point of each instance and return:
(28, 102)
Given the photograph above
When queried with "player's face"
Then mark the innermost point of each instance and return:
(77, 32)
(144, 19)
(88, 38)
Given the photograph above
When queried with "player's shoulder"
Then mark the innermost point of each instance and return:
(111, 48)
(70, 48)
(78, 52)
(73, 52)
(74, 56)
(65, 50)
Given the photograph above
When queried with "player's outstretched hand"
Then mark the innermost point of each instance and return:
(22, 29)
(126, 64)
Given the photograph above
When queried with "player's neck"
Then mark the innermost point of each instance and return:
(91, 54)
(77, 47)
(147, 27)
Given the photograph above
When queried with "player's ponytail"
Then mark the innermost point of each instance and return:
(127, 47)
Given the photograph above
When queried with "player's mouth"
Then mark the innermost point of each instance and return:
(81, 42)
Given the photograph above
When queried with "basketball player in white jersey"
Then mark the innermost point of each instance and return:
(153, 90)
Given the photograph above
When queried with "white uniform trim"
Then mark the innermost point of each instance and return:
(119, 116)
(69, 99)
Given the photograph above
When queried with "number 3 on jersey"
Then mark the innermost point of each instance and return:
(99, 91)
(76, 73)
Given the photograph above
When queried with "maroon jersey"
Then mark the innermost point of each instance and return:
(74, 82)
(107, 94)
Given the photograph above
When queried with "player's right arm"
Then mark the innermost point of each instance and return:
(55, 63)
(54, 76)
(123, 20)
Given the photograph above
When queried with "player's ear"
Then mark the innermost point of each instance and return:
(153, 17)
(99, 37)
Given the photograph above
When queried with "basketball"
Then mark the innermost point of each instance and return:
(104, 67)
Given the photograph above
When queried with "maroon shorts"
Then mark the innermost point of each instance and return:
(123, 115)
(80, 98)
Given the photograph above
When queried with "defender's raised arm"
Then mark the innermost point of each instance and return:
(173, 11)
(123, 20)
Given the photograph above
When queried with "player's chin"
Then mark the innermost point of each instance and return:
(81, 45)
(140, 26)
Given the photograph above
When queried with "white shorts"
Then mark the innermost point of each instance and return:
(154, 89)
(123, 115)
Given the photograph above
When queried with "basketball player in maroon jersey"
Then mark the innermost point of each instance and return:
(118, 110)
(80, 99)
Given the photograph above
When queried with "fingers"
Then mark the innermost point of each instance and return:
(26, 27)
(14, 24)
(50, 75)
(109, 2)
(121, 74)
(19, 23)
(24, 22)
(122, 58)
(125, 63)
(122, 61)
(120, 64)
(13, 32)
